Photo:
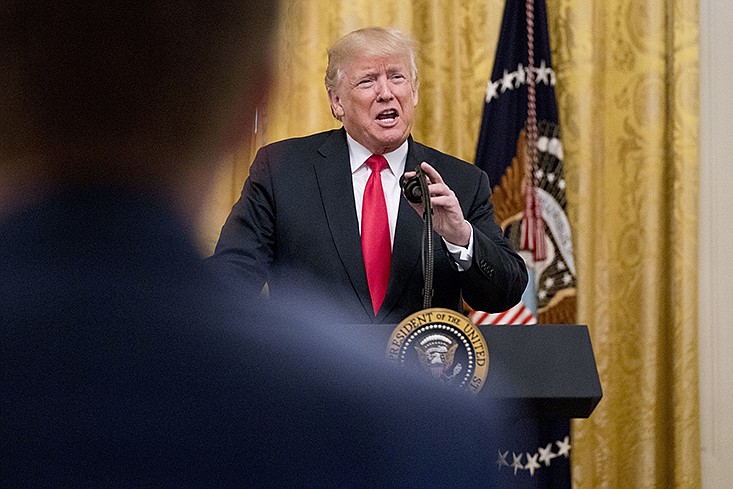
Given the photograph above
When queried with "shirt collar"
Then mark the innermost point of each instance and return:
(358, 155)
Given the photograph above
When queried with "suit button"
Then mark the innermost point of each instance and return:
(491, 273)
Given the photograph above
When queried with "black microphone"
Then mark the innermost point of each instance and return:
(411, 187)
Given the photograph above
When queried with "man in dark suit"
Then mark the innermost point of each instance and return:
(123, 362)
(304, 220)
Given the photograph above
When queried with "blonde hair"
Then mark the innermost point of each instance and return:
(370, 41)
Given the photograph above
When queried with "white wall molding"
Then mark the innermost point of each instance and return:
(716, 242)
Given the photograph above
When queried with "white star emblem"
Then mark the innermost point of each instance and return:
(532, 464)
(542, 294)
(546, 454)
(549, 282)
(502, 459)
(561, 184)
(563, 447)
(542, 73)
(539, 174)
(561, 265)
(517, 464)
(506, 81)
(520, 76)
(550, 177)
(566, 279)
(491, 91)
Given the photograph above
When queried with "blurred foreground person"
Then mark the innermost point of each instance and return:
(122, 363)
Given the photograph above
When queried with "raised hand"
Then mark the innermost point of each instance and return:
(448, 219)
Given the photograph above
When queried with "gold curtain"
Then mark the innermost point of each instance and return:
(627, 74)
(628, 81)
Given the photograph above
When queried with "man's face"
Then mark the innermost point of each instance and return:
(375, 99)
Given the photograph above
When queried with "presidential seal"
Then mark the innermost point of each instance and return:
(445, 345)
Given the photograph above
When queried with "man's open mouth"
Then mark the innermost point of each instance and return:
(388, 115)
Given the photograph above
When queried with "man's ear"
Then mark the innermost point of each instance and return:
(337, 109)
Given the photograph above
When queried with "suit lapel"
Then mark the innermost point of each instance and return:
(407, 248)
(333, 174)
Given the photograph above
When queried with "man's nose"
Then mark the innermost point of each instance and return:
(384, 91)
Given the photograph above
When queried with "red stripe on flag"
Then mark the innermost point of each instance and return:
(519, 314)
(480, 316)
(513, 318)
(499, 317)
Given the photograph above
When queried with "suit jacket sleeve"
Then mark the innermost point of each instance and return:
(245, 249)
(498, 275)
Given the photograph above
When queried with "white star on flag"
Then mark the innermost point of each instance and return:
(491, 91)
(531, 464)
(520, 76)
(543, 73)
(517, 464)
(546, 454)
(502, 459)
(506, 81)
(563, 447)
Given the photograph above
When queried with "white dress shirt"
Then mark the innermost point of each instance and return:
(396, 160)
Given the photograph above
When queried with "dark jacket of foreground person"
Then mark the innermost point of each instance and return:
(123, 364)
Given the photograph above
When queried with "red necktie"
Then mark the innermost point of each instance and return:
(375, 242)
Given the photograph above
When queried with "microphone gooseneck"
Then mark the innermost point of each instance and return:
(427, 242)
(415, 190)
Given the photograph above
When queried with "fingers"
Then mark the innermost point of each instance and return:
(448, 220)
(442, 201)
(431, 173)
(440, 194)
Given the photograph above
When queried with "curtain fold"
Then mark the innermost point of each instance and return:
(631, 135)
(627, 94)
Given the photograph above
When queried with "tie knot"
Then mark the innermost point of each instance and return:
(377, 163)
